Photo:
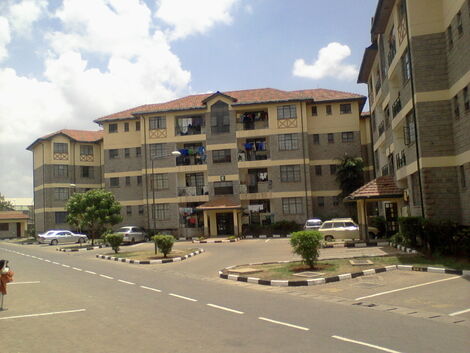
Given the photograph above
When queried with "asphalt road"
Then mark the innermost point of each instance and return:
(65, 302)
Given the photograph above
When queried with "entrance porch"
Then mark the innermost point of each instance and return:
(222, 217)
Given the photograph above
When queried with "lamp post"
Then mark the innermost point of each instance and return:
(152, 159)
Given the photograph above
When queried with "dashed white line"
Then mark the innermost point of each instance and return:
(91, 272)
(42, 314)
(405, 288)
(126, 282)
(267, 240)
(284, 324)
(182, 297)
(365, 344)
(48, 260)
(55, 263)
(460, 312)
(224, 308)
(31, 282)
(77, 269)
(65, 266)
(40, 258)
(152, 289)
(108, 277)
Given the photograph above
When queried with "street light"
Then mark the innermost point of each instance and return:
(174, 154)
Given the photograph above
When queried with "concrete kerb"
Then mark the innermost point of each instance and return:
(215, 241)
(341, 277)
(83, 249)
(150, 262)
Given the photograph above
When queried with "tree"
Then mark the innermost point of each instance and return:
(93, 211)
(350, 174)
(307, 243)
(5, 205)
(115, 240)
(164, 243)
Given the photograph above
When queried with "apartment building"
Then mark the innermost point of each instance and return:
(418, 74)
(64, 162)
(209, 163)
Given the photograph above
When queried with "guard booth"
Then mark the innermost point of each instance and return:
(222, 217)
(382, 189)
(13, 224)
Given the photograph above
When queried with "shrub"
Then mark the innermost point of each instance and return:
(164, 243)
(281, 227)
(379, 223)
(411, 228)
(307, 244)
(399, 239)
(115, 240)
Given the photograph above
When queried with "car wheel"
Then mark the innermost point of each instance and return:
(372, 236)
(81, 240)
(54, 242)
(329, 238)
(133, 241)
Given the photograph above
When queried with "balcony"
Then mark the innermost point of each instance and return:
(191, 154)
(190, 125)
(261, 186)
(193, 190)
(381, 128)
(253, 150)
(385, 170)
(392, 50)
(252, 121)
(400, 159)
(377, 86)
(396, 106)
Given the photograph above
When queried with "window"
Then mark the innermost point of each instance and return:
(450, 40)
(223, 188)
(335, 200)
(139, 179)
(114, 182)
(60, 170)
(4, 227)
(60, 147)
(331, 138)
(345, 108)
(86, 171)
(333, 169)
(288, 142)
(318, 170)
(290, 173)
(60, 217)
(347, 137)
(129, 210)
(137, 126)
(113, 128)
(86, 150)
(406, 67)
(314, 110)
(221, 156)
(321, 201)
(415, 189)
(409, 130)
(459, 23)
(462, 176)
(157, 150)
(138, 151)
(157, 122)
(466, 101)
(160, 182)
(328, 110)
(316, 139)
(292, 205)
(61, 194)
(126, 127)
(455, 103)
(128, 180)
(287, 112)
(220, 118)
(113, 154)
(141, 210)
(127, 152)
(162, 211)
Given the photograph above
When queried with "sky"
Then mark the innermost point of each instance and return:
(64, 63)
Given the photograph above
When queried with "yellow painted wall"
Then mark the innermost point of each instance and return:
(336, 122)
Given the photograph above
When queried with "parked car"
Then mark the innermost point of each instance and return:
(54, 237)
(343, 228)
(132, 234)
(313, 224)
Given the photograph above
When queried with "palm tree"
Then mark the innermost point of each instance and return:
(350, 174)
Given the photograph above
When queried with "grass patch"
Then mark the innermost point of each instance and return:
(84, 245)
(150, 254)
(287, 271)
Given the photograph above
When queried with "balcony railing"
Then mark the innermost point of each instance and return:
(381, 128)
(195, 159)
(253, 156)
(260, 186)
(193, 190)
(391, 52)
(189, 130)
(252, 125)
(400, 159)
(385, 170)
(396, 107)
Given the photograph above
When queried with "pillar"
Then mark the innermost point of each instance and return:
(206, 224)
(362, 219)
(235, 223)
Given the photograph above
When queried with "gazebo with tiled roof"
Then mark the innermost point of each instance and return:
(225, 207)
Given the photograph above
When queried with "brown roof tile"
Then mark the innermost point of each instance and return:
(76, 135)
(381, 187)
(222, 202)
(6, 215)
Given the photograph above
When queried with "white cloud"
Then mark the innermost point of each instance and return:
(188, 17)
(24, 14)
(329, 63)
(5, 37)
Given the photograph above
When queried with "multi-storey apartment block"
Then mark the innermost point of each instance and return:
(209, 163)
(418, 74)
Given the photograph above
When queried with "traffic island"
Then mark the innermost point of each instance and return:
(145, 258)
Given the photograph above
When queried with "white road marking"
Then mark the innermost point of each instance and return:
(267, 240)
(126, 282)
(66, 266)
(42, 314)
(405, 288)
(40, 258)
(31, 282)
(365, 344)
(55, 263)
(460, 312)
(224, 308)
(47, 260)
(181, 297)
(91, 272)
(108, 277)
(152, 289)
(77, 269)
(284, 324)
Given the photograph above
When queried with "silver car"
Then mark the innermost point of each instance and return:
(132, 234)
(54, 237)
(313, 224)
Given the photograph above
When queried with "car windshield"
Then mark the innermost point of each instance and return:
(124, 229)
(314, 222)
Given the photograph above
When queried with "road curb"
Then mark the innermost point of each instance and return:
(150, 262)
(216, 241)
(83, 249)
(337, 278)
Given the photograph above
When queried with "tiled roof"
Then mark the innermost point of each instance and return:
(76, 135)
(379, 188)
(249, 96)
(6, 215)
(222, 202)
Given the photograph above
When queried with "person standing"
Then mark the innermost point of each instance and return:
(6, 276)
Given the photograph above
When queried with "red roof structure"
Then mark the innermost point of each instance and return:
(75, 135)
(12, 215)
(383, 187)
(223, 202)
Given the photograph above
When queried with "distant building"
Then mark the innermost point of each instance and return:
(247, 157)
(13, 224)
(418, 74)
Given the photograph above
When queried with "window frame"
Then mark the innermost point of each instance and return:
(86, 150)
(157, 123)
(222, 156)
(331, 138)
(318, 170)
(61, 147)
(347, 136)
(113, 128)
(90, 171)
(126, 127)
(157, 150)
(290, 173)
(60, 170)
(342, 109)
(160, 181)
(162, 211)
(114, 182)
(288, 142)
(292, 205)
(329, 109)
(113, 153)
(288, 111)
(222, 187)
(61, 194)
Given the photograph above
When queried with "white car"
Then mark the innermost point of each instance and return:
(343, 228)
(54, 237)
(313, 224)
(132, 234)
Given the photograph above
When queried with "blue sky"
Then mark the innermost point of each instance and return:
(64, 63)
